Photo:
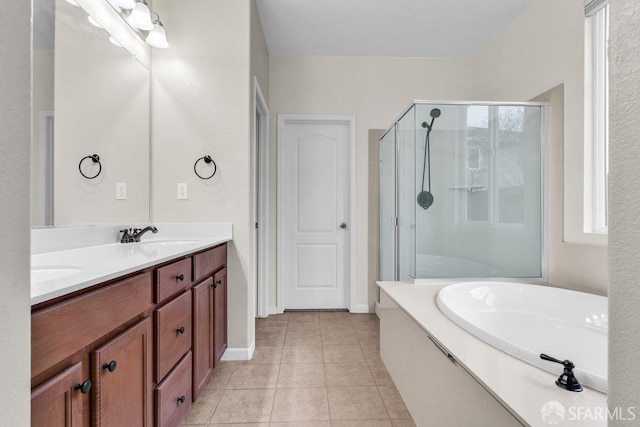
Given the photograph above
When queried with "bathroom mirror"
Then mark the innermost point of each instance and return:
(90, 96)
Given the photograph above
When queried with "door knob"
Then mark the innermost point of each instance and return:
(343, 225)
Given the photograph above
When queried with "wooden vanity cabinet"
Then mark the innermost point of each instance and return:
(58, 401)
(131, 352)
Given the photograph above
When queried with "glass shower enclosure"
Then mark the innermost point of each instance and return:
(461, 191)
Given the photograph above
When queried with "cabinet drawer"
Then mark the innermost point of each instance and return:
(65, 328)
(172, 278)
(173, 332)
(173, 395)
(209, 261)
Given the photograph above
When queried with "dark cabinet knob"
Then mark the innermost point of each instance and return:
(217, 283)
(180, 330)
(180, 277)
(84, 388)
(182, 399)
(343, 225)
(111, 366)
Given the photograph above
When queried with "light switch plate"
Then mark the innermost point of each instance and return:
(182, 191)
(121, 191)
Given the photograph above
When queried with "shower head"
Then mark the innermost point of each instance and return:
(435, 113)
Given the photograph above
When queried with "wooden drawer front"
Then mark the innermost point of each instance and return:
(65, 328)
(209, 261)
(173, 332)
(172, 278)
(170, 394)
(57, 403)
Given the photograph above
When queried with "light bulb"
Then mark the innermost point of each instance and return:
(93, 21)
(141, 17)
(125, 4)
(157, 36)
(114, 41)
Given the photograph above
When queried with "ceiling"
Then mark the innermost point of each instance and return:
(411, 28)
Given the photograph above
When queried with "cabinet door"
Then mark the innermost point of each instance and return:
(219, 314)
(202, 335)
(122, 379)
(57, 402)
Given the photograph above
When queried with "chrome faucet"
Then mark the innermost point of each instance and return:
(132, 235)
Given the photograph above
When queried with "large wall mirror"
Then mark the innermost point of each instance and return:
(90, 96)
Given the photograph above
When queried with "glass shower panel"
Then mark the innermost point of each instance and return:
(483, 170)
(388, 205)
(406, 188)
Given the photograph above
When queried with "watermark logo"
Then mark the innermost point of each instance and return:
(553, 412)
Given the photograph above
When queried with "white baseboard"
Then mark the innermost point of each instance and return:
(239, 353)
(360, 308)
(273, 310)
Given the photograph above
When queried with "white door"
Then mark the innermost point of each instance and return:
(315, 213)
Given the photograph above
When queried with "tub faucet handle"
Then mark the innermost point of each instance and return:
(567, 380)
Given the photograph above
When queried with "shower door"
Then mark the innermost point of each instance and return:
(388, 206)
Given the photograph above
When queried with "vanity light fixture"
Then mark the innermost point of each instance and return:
(140, 16)
(125, 4)
(157, 37)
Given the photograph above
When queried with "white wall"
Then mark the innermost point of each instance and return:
(624, 203)
(540, 49)
(376, 91)
(201, 104)
(15, 314)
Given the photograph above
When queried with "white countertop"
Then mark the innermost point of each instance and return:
(91, 265)
(522, 388)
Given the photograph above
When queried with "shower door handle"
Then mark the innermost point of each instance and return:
(343, 225)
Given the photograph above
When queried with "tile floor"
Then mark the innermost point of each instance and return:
(315, 369)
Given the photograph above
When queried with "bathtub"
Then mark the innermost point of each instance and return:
(526, 320)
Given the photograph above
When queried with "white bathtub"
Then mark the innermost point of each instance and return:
(526, 320)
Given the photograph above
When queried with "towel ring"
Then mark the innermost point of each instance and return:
(96, 159)
(207, 159)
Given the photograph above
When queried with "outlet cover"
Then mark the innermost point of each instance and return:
(182, 191)
(121, 191)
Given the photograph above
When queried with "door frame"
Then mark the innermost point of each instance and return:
(350, 121)
(260, 196)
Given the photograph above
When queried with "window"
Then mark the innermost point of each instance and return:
(597, 13)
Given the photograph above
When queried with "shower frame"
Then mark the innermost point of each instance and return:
(544, 175)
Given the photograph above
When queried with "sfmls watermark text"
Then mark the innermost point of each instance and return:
(554, 413)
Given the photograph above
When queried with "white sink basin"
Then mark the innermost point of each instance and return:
(165, 243)
(45, 273)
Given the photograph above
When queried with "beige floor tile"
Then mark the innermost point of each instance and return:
(304, 325)
(265, 355)
(239, 425)
(302, 375)
(367, 330)
(336, 325)
(348, 375)
(334, 315)
(244, 406)
(338, 337)
(302, 424)
(270, 338)
(271, 325)
(218, 380)
(302, 354)
(361, 423)
(381, 375)
(295, 338)
(300, 404)
(202, 410)
(372, 354)
(393, 402)
(403, 423)
(356, 403)
(254, 376)
(373, 342)
(184, 424)
(342, 354)
(301, 315)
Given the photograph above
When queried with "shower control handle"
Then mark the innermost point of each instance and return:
(343, 225)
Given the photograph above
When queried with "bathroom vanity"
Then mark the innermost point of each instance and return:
(136, 349)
